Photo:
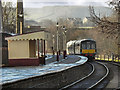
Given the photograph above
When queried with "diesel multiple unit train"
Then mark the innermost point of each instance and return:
(84, 47)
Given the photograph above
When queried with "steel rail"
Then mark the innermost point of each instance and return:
(93, 69)
(116, 64)
(107, 72)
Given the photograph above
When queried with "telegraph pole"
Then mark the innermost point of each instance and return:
(0, 34)
(118, 27)
(19, 17)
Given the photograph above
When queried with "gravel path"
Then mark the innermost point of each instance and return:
(114, 79)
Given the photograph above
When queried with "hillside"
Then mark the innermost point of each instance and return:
(55, 12)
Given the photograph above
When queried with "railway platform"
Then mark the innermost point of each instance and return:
(13, 74)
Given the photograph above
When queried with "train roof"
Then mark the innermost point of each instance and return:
(82, 40)
(78, 41)
(87, 40)
(71, 43)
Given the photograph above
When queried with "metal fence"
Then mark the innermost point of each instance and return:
(113, 58)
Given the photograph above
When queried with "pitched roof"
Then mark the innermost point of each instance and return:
(31, 36)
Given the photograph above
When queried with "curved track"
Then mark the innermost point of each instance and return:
(98, 74)
(93, 69)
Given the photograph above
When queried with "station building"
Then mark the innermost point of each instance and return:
(22, 48)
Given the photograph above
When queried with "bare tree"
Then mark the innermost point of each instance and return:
(107, 26)
(9, 16)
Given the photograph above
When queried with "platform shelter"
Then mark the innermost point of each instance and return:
(22, 48)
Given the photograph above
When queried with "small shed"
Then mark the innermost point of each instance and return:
(22, 48)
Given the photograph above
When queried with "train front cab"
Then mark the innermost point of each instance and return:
(88, 49)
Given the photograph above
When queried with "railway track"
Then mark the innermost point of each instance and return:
(114, 68)
(97, 75)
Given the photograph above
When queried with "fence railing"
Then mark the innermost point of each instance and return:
(113, 58)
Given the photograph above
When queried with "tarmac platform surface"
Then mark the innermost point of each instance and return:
(11, 74)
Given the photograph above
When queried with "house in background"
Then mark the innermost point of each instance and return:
(29, 29)
(75, 21)
(87, 22)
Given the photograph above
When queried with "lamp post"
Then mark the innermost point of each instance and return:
(64, 44)
(21, 23)
(57, 43)
(53, 44)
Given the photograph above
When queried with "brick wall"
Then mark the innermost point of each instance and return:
(24, 62)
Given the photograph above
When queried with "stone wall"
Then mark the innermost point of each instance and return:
(52, 80)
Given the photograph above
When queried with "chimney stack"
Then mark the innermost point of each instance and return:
(20, 17)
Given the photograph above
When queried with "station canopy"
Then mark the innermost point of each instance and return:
(45, 35)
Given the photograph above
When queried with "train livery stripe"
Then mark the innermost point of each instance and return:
(88, 50)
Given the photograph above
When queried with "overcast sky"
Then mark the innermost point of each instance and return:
(41, 3)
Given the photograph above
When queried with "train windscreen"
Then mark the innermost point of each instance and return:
(88, 45)
(93, 46)
(84, 45)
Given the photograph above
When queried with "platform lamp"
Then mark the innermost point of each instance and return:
(64, 44)
(53, 44)
(21, 23)
(57, 43)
